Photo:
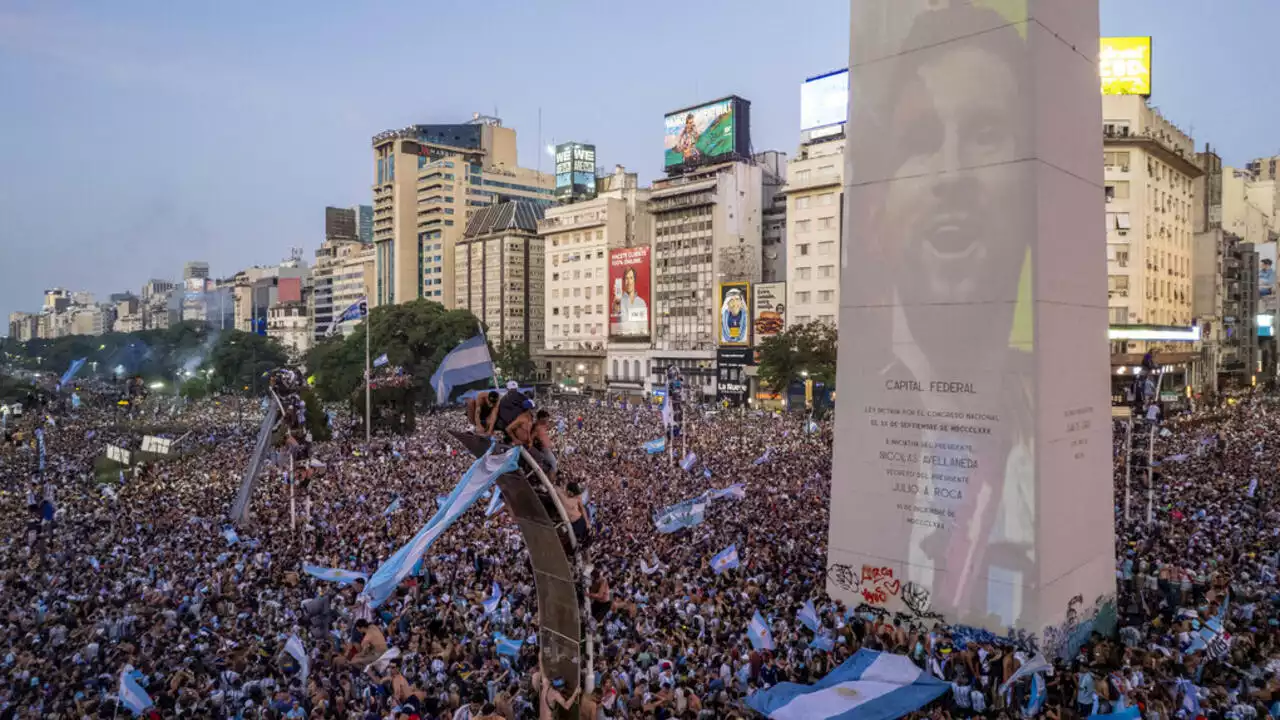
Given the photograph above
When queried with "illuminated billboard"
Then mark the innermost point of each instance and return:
(706, 133)
(1124, 64)
(769, 314)
(629, 293)
(575, 170)
(735, 314)
(824, 100)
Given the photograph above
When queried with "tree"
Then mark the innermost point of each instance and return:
(513, 361)
(195, 388)
(787, 356)
(238, 359)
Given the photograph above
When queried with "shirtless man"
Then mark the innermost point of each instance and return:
(481, 410)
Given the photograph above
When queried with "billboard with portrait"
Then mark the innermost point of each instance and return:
(1266, 276)
(768, 313)
(824, 100)
(1124, 64)
(629, 293)
(706, 133)
(735, 314)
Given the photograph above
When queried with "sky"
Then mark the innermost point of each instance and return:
(138, 134)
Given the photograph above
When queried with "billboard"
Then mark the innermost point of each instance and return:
(629, 293)
(1124, 64)
(1266, 276)
(575, 170)
(768, 313)
(706, 133)
(824, 100)
(735, 314)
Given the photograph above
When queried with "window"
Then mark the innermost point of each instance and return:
(826, 271)
(827, 247)
(803, 296)
(802, 319)
(802, 176)
(1118, 190)
(827, 319)
(802, 226)
(803, 248)
(599, 234)
(1122, 221)
(826, 296)
(826, 198)
(826, 223)
(802, 203)
(803, 273)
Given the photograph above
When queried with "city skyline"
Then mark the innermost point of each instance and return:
(217, 138)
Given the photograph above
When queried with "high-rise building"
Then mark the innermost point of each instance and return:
(1149, 174)
(343, 273)
(364, 223)
(499, 272)
(56, 300)
(1248, 206)
(429, 180)
(196, 269)
(815, 181)
(288, 323)
(156, 287)
(773, 232)
(339, 223)
(583, 241)
(707, 232)
(24, 326)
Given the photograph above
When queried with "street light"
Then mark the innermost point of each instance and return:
(804, 373)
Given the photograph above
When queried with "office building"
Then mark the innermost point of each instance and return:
(429, 182)
(815, 178)
(196, 269)
(773, 231)
(364, 223)
(288, 323)
(339, 224)
(707, 232)
(342, 276)
(582, 240)
(1149, 172)
(499, 272)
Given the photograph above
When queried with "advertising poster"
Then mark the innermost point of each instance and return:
(824, 100)
(630, 293)
(701, 133)
(1124, 63)
(735, 315)
(1266, 276)
(972, 477)
(769, 315)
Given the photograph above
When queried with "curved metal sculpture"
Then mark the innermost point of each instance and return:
(553, 551)
(283, 389)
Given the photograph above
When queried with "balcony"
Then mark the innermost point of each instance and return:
(796, 181)
(1161, 148)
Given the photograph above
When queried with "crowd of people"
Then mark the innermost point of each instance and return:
(103, 572)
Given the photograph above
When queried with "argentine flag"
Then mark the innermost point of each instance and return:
(355, 311)
(466, 363)
(231, 536)
(380, 360)
(506, 645)
(766, 457)
(653, 447)
(342, 577)
(824, 643)
(758, 633)
(293, 646)
(726, 559)
(808, 616)
(393, 507)
(868, 686)
(491, 603)
(479, 478)
(495, 504)
(132, 696)
(689, 461)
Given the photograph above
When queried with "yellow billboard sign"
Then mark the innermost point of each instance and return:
(1124, 64)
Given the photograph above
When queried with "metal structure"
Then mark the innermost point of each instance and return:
(241, 507)
(553, 551)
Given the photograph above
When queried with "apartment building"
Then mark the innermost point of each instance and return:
(343, 275)
(499, 266)
(814, 189)
(429, 181)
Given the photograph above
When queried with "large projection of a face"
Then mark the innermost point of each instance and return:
(971, 473)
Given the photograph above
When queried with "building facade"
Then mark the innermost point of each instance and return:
(707, 232)
(579, 239)
(342, 275)
(196, 269)
(24, 326)
(340, 224)
(499, 272)
(288, 323)
(815, 182)
(429, 180)
(773, 228)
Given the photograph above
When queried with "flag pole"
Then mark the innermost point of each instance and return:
(368, 377)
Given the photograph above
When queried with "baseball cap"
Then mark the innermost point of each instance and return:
(513, 385)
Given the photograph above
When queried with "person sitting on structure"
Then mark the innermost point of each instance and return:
(510, 407)
(520, 431)
(540, 446)
(481, 411)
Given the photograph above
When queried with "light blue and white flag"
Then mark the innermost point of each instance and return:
(480, 477)
(506, 645)
(726, 559)
(1253, 486)
(71, 371)
(1037, 696)
(442, 500)
(1034, 666)
(644, 567)
(355, 311)
(688, 462)
(653, 447)
(380, 360)
(811, 427)
(495, 504)
(808, 615)
(466, 363)
(668, 410)
(1190, 696)
(681, 515)
(132, 696)
(491, 603)
(293, 646)
(40, 443)
(868, 686)
(1129, 713)
(736, 491)
(758, 633)
(824, 643)
(338, 575)
(393, 507)
(75, 401)
(766, 457)
(231, 536)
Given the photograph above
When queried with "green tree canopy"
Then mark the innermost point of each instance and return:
(799, 349)
(513, 361)
(238, 359)
(150, 353)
